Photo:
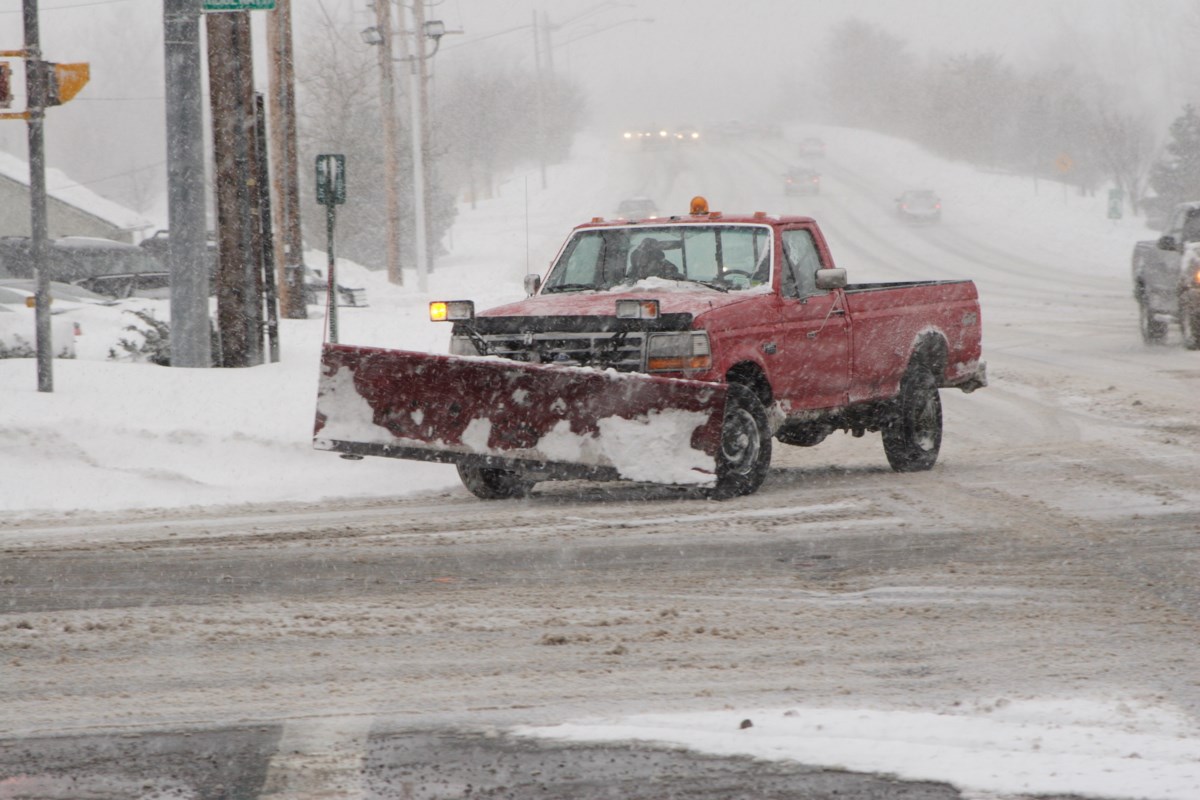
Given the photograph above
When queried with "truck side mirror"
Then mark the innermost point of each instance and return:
(831, 278)
(1167, 242)
(532, 284)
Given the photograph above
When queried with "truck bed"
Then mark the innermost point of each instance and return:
(890, 318)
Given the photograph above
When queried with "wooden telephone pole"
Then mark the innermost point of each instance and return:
(391, 156)
(239, 281)
(289, 244)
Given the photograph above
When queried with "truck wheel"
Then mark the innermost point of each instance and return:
(494, 484)
(1154, 330)
(1189, 326)
(745, 454)
(912, 431)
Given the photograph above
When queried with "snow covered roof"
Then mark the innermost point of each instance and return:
(61, 187)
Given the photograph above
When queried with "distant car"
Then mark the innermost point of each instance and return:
(919, 205)
(812, 147)
(637, 208)
(657, 136)
(801, 180)
(687, 134)
(650, 136)
(727, 130)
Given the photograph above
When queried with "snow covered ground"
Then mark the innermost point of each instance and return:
(116, 434)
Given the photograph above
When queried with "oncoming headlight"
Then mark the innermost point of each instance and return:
(677, 352)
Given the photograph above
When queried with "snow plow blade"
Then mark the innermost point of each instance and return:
(549, 421)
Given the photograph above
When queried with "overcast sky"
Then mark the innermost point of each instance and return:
(716, 56)
(697, 61)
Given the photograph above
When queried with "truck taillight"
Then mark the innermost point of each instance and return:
(451, 310)
(678, 352)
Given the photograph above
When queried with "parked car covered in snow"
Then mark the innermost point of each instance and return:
(110, 268)
(18, 325)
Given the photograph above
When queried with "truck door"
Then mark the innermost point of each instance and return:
(811, 362)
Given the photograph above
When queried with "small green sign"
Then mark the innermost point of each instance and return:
(331, 179)
(1115, 199)
(239, 5)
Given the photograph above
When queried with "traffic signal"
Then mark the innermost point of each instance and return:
(65, 81)
(5, 84)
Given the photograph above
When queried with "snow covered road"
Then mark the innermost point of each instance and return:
(1049, 561)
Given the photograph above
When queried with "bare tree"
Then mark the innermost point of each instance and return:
(1125, 146)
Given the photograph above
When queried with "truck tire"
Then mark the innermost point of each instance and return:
(1154, 330)
(745, 454)
(494, 484)
(912, 429)
(1189, 326)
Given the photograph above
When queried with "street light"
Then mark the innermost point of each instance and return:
(432, 29)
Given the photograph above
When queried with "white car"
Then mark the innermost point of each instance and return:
(69, 305)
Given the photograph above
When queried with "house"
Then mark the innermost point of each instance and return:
(71, 209)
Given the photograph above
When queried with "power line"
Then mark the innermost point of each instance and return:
(126, 173)
(74, 5)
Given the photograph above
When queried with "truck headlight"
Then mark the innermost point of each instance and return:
(676, 352)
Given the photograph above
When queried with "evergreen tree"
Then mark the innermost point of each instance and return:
(1176, 176)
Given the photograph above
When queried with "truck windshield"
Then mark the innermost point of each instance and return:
(723, 257)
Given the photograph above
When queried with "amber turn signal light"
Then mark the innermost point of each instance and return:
(451, 310)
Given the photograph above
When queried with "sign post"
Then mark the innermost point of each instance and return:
(1115, 198)
(331, 191)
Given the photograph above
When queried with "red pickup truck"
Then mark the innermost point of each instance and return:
(669, 350)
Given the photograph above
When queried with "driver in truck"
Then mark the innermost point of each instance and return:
(649, 261)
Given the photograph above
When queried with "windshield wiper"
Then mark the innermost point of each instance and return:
(568, 287)
(720, 287)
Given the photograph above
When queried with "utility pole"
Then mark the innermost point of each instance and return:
(37, 82)
(187, 254)
(418, 161)
(266, 244)
(289, 244)
(422, 65)
(547, 45)
(391, 156)
(231, 90)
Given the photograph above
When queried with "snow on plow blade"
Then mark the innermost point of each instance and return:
(559, 422)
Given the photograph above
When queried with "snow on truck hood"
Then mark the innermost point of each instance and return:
(674, 297)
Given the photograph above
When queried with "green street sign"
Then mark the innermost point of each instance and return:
(331, 179)
(1115, 197)
(239, 5)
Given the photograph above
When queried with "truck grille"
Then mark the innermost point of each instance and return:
(586, 341)
(622, 352)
